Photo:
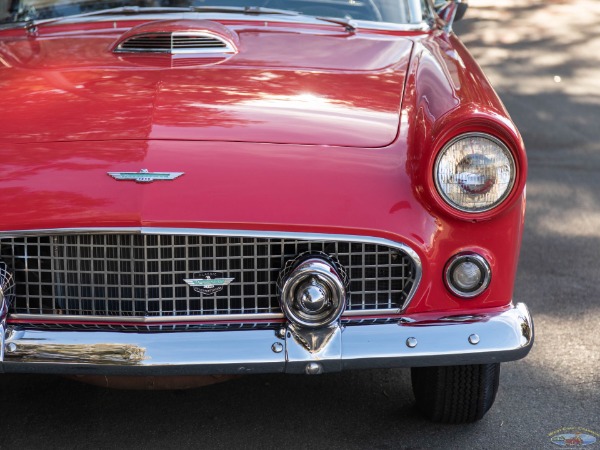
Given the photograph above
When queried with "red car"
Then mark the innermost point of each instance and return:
(224, 188)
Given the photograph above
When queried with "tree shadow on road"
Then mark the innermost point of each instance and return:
(543, 58)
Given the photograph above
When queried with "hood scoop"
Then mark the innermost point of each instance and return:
(179, 37)
(176, 43)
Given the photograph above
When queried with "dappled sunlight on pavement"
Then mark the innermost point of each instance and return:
(580, 218)
(543, 57)
(538, 53)
(548, 39)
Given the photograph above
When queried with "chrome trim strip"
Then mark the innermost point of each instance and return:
(371, 312)
(503, 336)
(49, 231)
(243, 233)
(49, 318)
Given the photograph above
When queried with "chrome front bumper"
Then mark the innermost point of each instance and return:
(452, 340)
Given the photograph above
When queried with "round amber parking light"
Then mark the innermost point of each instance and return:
(474, 172)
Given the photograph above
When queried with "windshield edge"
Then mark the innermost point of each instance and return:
(305, 19)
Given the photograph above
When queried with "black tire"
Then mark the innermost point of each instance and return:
(455, 394)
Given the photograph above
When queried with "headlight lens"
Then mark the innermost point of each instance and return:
(474, 172)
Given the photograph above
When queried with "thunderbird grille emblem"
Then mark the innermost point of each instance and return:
(143, 176)
(208, 282)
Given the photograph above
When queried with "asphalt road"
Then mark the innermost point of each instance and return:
(544, 59)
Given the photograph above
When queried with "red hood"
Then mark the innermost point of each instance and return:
(230, 186)
(283, 86)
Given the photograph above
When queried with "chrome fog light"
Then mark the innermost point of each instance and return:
(468, 275)
(312, 296)
(313, 290)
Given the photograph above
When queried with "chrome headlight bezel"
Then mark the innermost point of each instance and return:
(498, 201)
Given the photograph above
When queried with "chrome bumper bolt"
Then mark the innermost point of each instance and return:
(277, 347)
(411, 342)
(313, 368)
(281, 333)
(474, 339)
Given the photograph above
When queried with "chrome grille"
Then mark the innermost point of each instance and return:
(175, 43)
(141, 275)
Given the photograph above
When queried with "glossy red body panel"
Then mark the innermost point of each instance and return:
(340, 140)
(277, 89)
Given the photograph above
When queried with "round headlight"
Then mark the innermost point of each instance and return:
(474, 172)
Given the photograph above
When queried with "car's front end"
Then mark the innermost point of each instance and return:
(308, 196)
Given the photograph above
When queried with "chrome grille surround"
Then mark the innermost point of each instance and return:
(176, 43)
(136, 275)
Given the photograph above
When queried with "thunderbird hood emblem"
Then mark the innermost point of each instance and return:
(208, 282)
(143, 176)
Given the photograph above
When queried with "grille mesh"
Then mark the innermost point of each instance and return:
(138, 275)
